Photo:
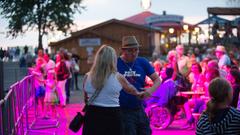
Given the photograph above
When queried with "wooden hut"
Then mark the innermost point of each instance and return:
(86, 42)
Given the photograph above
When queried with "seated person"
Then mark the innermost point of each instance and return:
(196, 77)
(219, 118)
(200, 103)
(166, 91)
(234, 78)
(166, 96)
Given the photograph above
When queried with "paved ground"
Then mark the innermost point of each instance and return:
(67, 114)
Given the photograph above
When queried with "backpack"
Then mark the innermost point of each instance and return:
(64, 73)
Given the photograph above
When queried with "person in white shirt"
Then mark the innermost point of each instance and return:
(182, 60)
(50, 64)
(223, 58)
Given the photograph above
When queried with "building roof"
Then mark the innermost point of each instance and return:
(86, 32)
(139, 18)
(91, 30)
(223, 11)
(114, 21)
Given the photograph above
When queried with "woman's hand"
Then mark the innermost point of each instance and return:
(144, 94)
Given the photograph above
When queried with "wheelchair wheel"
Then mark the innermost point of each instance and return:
(160, 117)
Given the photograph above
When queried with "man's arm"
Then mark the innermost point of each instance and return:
(156, 82)
(129, 88)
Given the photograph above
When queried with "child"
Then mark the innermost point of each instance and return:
(38, 73)
(51, 98)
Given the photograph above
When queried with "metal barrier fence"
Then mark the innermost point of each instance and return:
(18, 110)
(15, 107)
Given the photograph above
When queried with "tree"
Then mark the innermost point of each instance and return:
(44, 15)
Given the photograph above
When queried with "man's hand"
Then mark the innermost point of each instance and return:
(144, 94)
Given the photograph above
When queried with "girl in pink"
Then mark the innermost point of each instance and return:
(51, 99)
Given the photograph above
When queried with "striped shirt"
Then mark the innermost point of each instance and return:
(228, 125)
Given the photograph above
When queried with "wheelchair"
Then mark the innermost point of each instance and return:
(161, 117)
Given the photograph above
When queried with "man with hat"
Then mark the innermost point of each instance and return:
(223, 58)
(135, 69)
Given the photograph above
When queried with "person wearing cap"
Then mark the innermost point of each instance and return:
(223, 58)
(135, 69)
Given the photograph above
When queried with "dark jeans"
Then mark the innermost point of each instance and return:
(135, 122)
(200, 106)
(103, 121)
(67, 88)
(76, 81)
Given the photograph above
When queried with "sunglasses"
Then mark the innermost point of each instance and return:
(131, 50)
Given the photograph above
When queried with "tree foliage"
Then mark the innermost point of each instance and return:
(43, 15)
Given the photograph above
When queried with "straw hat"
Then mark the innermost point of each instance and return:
(129, 42)
(220, 48)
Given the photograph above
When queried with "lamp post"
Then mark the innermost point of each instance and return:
(152, 46)
(185, 27)
(170, 31)
(197, 29)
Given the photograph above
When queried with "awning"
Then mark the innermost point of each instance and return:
(214, 19)
(174, 25)
(236, 22)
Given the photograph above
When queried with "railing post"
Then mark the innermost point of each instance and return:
(1, 117)
(1, 81)
(5, 118)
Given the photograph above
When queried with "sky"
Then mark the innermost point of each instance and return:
(98, 11)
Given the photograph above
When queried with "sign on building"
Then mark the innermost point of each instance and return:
(89, 42)
(164, 18)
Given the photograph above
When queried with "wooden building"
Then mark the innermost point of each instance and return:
(86, 42)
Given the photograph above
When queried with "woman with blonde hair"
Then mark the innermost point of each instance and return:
(219, 118)
(104, 78)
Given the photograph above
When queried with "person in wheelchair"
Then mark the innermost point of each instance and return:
(166, 97)
(166, 91)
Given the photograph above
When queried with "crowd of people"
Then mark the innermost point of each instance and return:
(216, 76)
(122, 87)
(189, 73)
(53, 80)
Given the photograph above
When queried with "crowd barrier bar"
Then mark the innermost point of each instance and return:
(16, 106)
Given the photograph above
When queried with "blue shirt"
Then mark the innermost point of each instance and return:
(165, 92)
(224, 60)
(135, 72)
